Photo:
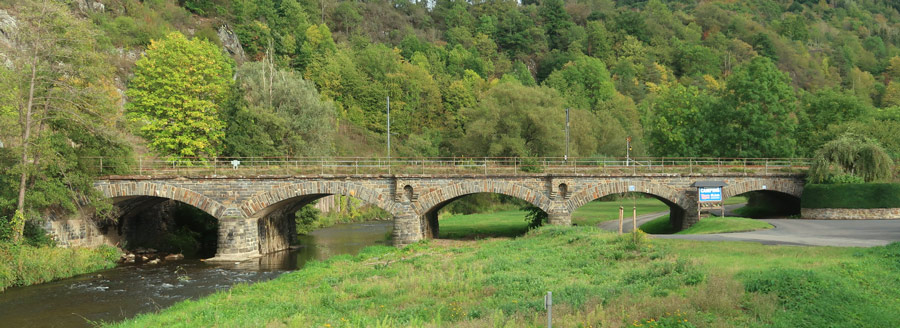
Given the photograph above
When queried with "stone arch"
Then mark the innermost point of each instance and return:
(428, 205)
(435, 198)
(260, 204)
(792, 187)
(666, 194)
(131, 189)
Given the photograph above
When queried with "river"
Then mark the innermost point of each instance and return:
(127, 290)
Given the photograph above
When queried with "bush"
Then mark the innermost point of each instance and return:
(869, 195)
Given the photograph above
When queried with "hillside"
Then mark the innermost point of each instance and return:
(758, 78)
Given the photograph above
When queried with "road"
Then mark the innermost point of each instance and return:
(844, 233)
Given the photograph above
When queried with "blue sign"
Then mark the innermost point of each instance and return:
(711, 194)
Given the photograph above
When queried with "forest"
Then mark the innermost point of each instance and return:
(119, 79)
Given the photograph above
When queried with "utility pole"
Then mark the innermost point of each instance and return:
(628, 151)
(389, 129)
(567, 136)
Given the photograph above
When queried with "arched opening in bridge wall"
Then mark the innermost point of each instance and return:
(604, 211)
(291, 221)
(477, 215)
(765, 204)
(162, 224)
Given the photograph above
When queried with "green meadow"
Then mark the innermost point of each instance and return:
(598, 279)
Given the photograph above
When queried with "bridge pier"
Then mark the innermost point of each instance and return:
(560, 218)
(408, 229)
(238, 239)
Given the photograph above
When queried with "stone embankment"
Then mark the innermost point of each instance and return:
(850, 213)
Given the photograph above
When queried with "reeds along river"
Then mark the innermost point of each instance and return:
(128, 290)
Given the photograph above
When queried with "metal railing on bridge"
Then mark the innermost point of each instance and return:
(250, 166)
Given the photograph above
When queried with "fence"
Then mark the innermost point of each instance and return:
(454, 166)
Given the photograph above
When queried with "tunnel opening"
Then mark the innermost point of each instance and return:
(166, 226)
(481, 215)
(763, 204)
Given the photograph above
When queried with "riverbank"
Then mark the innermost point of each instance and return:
(597, 279)
(23, 265)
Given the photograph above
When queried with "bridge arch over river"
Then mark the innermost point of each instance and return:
(255, 212)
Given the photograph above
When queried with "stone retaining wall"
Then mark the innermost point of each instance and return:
(850, 213)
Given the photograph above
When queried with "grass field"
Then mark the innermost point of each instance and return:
(705, 226)
(596, 212)
(598, 279)
(512, 223)
(473, 226)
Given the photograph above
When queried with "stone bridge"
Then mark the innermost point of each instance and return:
(256, 213)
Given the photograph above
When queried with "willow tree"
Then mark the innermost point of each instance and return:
(851, 156)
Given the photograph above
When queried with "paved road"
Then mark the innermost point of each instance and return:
(853, 233)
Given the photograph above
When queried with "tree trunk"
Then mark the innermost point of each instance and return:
(19, 225)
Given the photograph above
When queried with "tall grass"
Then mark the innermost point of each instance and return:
(22, 265)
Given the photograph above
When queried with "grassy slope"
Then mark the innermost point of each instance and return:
(705, 226)
(596, 277)
(22, 265)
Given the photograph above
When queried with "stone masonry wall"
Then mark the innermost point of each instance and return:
(850, 213)
(239, 202)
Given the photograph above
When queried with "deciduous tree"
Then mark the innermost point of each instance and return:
(175, 95)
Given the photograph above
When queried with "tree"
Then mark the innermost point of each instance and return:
(824, 108)
(757, 117)
(851, 155)
(61, 90)
(515, 121)
(679, 121)
(280, 114)
(177, 87)
(584, 82)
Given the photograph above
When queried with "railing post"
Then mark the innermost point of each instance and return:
(485, 166)
(101, 164)
(141, 165)
(691, 165)
(516, 166)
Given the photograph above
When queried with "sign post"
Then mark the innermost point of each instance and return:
(709, 195)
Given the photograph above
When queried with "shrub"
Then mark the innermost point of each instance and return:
(869, 195)
(851, 157)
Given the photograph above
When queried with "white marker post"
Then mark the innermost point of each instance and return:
(548, 304)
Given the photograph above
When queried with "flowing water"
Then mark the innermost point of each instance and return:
(128, 290)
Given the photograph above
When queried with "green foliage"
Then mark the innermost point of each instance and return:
(851, 155)
(175, 95)
(757, 115)
(515, 121)
(535, 216)
(23, 265)
(680, 124)
(867, 195)
(584, 82)
(279, 114)
(306, 218)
